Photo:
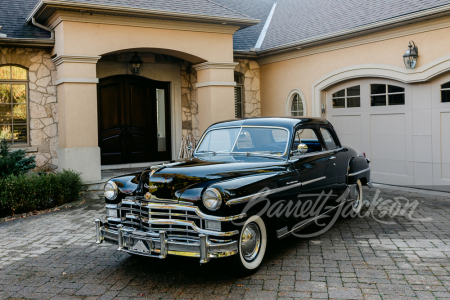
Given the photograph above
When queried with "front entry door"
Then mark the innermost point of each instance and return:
(133, 120)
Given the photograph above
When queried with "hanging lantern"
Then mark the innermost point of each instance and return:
(410, 57)
(136, 64)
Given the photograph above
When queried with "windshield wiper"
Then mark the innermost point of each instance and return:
(259, 154)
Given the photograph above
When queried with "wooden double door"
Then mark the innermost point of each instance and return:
(133, 120)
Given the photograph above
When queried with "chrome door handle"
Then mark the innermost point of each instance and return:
(333, 157)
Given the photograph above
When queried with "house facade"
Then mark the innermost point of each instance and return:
(91, 85)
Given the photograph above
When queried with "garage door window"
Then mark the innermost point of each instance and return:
(384, 94)
(445, 92)
(346, 98)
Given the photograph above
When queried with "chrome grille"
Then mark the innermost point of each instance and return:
(148, 216)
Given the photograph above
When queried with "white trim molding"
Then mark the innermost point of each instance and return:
(215, 65)
(72, 16)
(75, 59)
(76, 80)
(421, 74)
(215, 83)
(288, 102)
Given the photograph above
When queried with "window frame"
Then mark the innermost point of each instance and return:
(443, 90)
(290, 98)
(345, 97)
(386, 94)
(27, 105)
(332, 134)
(239, 85)
(316, 131)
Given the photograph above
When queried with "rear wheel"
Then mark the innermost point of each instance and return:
(252, 245)
(353, 208)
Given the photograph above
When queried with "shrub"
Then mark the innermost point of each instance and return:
(15, 162)
(24, 193)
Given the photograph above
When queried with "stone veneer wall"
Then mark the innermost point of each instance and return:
(42, 106)
(252, 94)
(189, 104)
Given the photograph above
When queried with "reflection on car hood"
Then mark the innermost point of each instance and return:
(172, 181)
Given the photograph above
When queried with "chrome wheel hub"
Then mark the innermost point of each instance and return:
(250, 242)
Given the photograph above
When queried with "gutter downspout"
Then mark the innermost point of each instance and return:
(33, 21)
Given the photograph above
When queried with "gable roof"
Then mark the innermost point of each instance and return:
(245, 39)
(301, 20)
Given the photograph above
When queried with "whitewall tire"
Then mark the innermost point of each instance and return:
(358, 204)
(252, 244)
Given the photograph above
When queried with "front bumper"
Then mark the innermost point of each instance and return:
(160, 245)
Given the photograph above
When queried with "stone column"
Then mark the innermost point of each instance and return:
(215, 84)
(77, 97)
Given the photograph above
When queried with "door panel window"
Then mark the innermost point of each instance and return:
(161, 119)
(308, 137)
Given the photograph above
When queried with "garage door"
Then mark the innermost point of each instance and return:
(374, 116)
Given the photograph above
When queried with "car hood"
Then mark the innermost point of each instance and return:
(186, 179)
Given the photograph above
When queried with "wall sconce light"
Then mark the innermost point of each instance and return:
(410, 57)
(323, 108)
(136, 64)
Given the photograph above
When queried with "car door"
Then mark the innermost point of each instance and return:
(339, 158)
(315, 168)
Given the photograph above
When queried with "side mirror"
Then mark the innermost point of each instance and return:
(301, 149)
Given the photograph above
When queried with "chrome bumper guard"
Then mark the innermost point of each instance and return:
(160, 245)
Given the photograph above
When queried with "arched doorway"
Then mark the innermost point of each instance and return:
(133, 120)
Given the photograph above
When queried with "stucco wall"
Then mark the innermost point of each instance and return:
(279, 78)
(43, 106)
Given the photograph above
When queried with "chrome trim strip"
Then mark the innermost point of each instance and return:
(359, 172)
(112, 206)
(194, 209)
(269, 192)
(314, 180)
(315, 153)
(249, 197)
(193, 226)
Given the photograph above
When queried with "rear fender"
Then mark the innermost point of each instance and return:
(358, 169)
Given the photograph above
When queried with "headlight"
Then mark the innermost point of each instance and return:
(111, 190)
(212, 199)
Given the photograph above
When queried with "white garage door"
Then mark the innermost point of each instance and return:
(374, 116)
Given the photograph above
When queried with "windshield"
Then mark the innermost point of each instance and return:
(246, 140)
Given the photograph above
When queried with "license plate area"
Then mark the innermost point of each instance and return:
(141, 245)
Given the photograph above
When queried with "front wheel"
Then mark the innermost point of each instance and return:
(252, 245)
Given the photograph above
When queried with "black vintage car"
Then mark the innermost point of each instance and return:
(248, 180)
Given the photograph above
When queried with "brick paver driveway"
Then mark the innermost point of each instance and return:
(54, 256)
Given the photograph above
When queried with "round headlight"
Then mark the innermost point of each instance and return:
(212, 199)
(111, 190)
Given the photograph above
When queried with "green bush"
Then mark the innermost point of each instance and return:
(14, 162)
(24, 193)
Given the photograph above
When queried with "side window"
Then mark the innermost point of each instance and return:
(308, 137)
(328, 138)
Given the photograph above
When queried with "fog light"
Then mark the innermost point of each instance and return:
(213, 225)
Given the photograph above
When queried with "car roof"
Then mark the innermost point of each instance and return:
(286, 122)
